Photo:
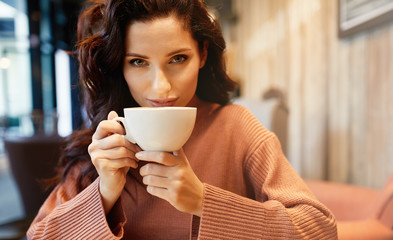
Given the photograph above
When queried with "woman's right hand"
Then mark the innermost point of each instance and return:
(112, 156)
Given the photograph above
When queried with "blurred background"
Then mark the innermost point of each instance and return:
(39, 101)
(329, 62)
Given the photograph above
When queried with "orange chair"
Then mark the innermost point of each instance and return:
(361, 213)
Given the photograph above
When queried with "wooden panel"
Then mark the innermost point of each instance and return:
(339, 117)
(339, 91)
(389, 166)
(358, 60)
(338, 84)
(377, 101)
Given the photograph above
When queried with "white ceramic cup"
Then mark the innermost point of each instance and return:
(164, 129)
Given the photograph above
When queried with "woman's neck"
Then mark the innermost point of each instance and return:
(195, 102)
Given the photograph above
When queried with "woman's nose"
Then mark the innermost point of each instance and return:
(161, 83)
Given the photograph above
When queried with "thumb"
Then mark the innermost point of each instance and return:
(112, 115)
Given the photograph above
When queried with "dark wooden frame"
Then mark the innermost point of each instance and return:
(371, 16)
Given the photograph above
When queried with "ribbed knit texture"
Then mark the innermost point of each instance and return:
(250, 192)
(80, 218)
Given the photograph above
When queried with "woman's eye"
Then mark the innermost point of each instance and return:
(138, 62)
(179, 59)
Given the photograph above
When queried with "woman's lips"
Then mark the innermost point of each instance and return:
(163, 102)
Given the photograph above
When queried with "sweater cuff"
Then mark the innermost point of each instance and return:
(84, 216)
(116, 218)
(226, 215)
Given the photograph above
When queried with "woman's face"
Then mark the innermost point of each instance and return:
(161, 63)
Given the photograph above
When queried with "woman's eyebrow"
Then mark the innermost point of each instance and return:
(135, 55)
(130, 54)
(179, 51)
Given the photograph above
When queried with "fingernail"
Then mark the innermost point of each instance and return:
(138, 154)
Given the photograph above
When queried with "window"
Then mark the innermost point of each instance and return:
(33, 37)
(15, 70)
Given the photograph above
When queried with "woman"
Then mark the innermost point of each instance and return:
(229, 181)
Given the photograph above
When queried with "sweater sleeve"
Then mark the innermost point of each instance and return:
(283, 207)
(65, 215)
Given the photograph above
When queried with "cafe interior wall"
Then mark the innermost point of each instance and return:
(338, 90)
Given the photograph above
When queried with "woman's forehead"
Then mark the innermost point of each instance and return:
(168, 31)
(182, 20)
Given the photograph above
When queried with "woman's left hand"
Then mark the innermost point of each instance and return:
(169, 176)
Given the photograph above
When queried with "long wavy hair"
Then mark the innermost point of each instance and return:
(100, 51)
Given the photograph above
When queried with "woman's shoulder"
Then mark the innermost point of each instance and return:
(233, 116)
(233, 123)
(236, 113)
(240, 124)
(208, 108)
(233, 107)
(228, 112)
(228, 115)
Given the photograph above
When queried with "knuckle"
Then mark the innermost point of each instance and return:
(123, 151)
(91, 147)
(178, 185)
(96, 163)
(180, 174)
(175, 198)
(104, 165)
(93, 158)
(119, 139)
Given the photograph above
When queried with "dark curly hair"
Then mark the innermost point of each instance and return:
(100, 51)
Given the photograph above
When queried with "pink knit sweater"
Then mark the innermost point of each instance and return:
(250, 192)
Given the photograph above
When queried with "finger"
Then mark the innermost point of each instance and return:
(164, 158)
(112, 115)
(116, 140)
(105, 165)
(156, 181)
(155, 169)
(115, 153)
(122, 163)
(157, 191)
(108, 127)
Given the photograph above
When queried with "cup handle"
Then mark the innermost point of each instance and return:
(128, 135)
